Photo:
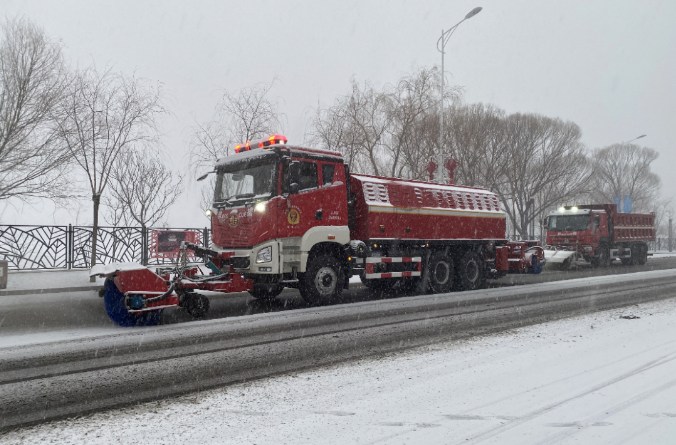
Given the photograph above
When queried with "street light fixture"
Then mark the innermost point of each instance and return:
(441, 44)
(638, 137)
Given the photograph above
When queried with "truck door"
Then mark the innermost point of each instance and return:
(304, 209)
(334, 200)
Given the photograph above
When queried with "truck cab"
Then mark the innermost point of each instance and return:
(573, 227)
(273, 205)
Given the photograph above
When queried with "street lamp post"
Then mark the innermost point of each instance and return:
(441, 44)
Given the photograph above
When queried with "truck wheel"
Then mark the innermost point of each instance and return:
(266, 293)
(642, 256)
(441, 273)
(117, 311)
(470, 271)
(323, 280)
(601, 259)
(197, 305)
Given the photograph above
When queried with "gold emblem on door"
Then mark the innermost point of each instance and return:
(293, 217)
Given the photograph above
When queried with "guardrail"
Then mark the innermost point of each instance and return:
(70, 247)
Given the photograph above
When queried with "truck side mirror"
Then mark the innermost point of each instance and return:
(545, 222)
(597, 220)
(294, 177)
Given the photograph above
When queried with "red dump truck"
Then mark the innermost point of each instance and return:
(288, 216)
(597, 234)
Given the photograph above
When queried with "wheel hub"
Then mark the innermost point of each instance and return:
(325, 281)
(442, 272)
(472, 271)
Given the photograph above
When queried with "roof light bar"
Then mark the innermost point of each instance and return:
(272, 140)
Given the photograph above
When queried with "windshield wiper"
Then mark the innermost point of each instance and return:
(242, 196)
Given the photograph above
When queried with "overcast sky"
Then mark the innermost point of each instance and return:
(607, 65)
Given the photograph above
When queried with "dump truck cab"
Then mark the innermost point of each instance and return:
(596, 234)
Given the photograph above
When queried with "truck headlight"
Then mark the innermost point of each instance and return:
(264, 255)
(260, 207)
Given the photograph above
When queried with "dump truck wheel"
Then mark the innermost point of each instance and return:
(117, 311)
(441, 273)
(470, 271)
(601, 259)
(323, 280)
(643, 256)
(266, 293)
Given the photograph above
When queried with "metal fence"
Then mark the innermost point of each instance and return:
(70, 247)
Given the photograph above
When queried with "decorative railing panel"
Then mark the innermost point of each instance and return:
(34, 247)
(113, 245)
(66, 247)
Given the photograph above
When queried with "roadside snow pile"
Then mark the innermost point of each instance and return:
(598, 378)
(50, 279)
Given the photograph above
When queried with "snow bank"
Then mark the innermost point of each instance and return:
(107, 269)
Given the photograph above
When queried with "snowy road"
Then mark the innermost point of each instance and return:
(591, 379)
(26, 319)
(72, 377)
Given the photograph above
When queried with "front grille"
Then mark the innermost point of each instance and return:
(240, 262)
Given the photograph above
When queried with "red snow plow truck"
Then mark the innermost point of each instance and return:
(288, 216)
(596, 235)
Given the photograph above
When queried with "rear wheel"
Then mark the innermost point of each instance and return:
(643, 255)
(441, 273)
(323, 280)
(471, 272)
(601, 259)
(117, 310)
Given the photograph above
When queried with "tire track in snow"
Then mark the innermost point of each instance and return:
(667, 358)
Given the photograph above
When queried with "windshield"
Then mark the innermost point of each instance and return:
(569, 223)
(240, 182)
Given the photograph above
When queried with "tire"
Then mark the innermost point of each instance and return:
(266, 293)
(471, 271)
(442, 273)
(643, 256)
(117, 311)
(323, 280)
(636, 252)
(197, 305)
(602, 258)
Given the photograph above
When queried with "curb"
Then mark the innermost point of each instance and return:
(7, 293)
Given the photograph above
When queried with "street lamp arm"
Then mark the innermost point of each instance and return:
(447, 35)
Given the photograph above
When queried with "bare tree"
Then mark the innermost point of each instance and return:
(332, 130)
(243, 115)
(32, 82)
(477, 143)
(355, 125)
(624, 169)
(410, 104)
(103, 114)
(142, 189)
(664, 210)
(545, 164)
